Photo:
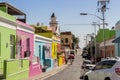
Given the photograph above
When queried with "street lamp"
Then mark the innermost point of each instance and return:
(103, 20)
(91, 14)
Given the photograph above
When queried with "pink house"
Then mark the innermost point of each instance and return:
(25, 47)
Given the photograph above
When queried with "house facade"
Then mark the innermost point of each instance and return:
(25, 46)
(8, 52)
(117, 39)
(66, 43)
(7, 38)
(110, 48)
(43, 51)
(109, 45)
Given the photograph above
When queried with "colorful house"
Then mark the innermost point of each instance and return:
(57, 55)
(109, 46)
(25, 47)
(117, 39)
(66, 43)
(43, 51)
(7, 38)
(8, 50)
(54, 54)
(43, 46)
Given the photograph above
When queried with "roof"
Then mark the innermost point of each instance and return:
(13, 11)
(117, 40)
(66, 33)
(118, 22)
(53, 15)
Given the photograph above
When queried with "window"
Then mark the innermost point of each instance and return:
(66, 40)
(12, 46)
(12, 39)
(108, 64)
(28, 44)
(62, 41)
(27, 52)
(19, 48)
(40, 52)
(105, 64)
(98, 66)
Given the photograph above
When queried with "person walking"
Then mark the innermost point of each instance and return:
(71, 57)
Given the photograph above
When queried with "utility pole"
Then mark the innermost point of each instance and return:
(102, 6)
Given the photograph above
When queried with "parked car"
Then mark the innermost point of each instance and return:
(86, 69)
(85, 62)
(107, 69)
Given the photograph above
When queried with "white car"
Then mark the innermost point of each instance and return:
(108, 69)
(88, 67)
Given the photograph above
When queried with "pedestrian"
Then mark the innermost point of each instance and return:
(71, 57)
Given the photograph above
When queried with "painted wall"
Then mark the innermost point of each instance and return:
(61, 56)
(54, 54)
(43, 50)
(5, 42)
(39, 51)
(25, 36)
(7, 16)
(48, 56)
(7, 28)
(117, 45)
(54, 50)
(18, 71)
(5, 45)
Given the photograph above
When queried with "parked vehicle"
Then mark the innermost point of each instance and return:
(107, 69)
(85, 62)
(86, 69)
(84, 54)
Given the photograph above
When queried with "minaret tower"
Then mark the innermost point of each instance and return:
(53, 23)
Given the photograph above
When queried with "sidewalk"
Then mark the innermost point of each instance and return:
(45, 75)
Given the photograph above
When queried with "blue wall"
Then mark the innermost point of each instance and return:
(40, 52)
(117, 45)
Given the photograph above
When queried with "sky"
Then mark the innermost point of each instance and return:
(68, 14)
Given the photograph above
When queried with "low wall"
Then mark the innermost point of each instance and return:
(16, 69)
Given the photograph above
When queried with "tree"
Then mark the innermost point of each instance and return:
(76, 41)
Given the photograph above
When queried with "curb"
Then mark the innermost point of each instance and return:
(45, 75)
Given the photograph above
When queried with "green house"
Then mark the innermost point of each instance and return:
(11, 68)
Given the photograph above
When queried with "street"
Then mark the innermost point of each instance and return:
(72, 72)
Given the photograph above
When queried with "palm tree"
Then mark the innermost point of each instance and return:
(76, 41)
